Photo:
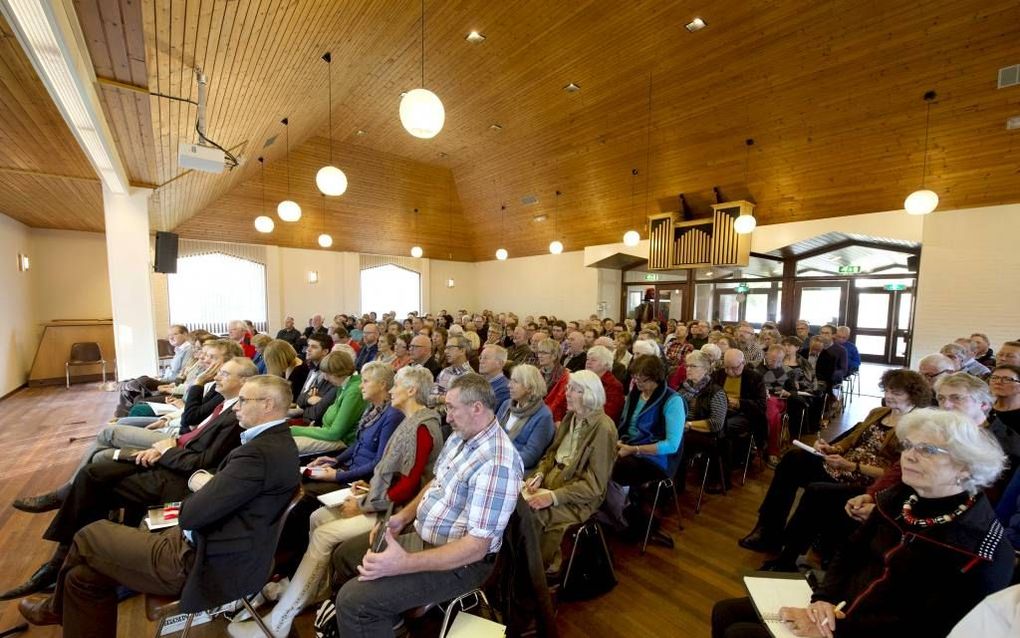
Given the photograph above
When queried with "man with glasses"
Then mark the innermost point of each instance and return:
(933, 367)
(457, 350)
(223, 546)
(420, 350)
(135, 479)
(749, 346)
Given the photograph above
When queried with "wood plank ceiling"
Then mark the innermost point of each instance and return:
(830, 92)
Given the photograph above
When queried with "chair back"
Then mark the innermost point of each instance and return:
(85, 352)
(164, 348)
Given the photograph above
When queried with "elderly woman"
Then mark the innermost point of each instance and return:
(339, 424)
(406, 464)
(401, 351)
(930, 552)
(651, 427)
(706, 401)
(571, 479)
(555, 376)
(385, 353)
(525, 417)
(1004, 382)
(847, 467)
(714, 354)
(282, 361)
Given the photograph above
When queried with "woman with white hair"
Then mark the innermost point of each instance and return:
(931, 551)
(714, 354)
(525, 417)
(570, 481)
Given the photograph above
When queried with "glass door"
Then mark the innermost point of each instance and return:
(822, 302)
(670, 301)
(881, 328)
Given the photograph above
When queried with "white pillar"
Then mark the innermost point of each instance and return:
(127, 254)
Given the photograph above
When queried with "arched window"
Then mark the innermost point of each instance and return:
(210, 290)
(388, 287)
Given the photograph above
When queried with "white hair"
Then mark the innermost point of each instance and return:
(643, 346)
(343, 347)
(970, 445)
(712, 351)
(591, 386)
(603, 355)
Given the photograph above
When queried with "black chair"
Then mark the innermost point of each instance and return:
(159, 608)
(165, 351)
(668, 483)
(706, 447)
(590, 527)
(87, 353)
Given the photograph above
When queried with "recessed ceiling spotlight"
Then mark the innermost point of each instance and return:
(474, 37)
(495, 127)
(539, 218)
(571, 88)
(360, 132)
(697, 24)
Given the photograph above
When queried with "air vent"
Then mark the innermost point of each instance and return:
(269, 142)
(528, 200)
(1009, 76)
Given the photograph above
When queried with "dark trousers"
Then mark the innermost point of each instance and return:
(820, 515)
(796, 469)
(105, 555)
(371, 608)
(634, 470)
(737, 618)
(132, 390)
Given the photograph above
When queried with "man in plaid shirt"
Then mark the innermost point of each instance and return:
(458, 518)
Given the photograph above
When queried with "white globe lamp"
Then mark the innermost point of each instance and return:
(631, 238)
(417, 252)
(331, 181)
(422, 113)
(325, 240)
(556, 247)
(264, 224)
(502, 254)
(921, 202)
(744, 224)
(288, 210)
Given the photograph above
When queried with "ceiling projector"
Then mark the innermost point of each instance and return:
(200, 157)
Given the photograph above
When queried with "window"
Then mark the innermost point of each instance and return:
(390, 288)
(209, 291)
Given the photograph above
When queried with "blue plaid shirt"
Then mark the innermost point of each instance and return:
(474, 490)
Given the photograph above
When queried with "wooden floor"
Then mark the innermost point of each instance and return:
(665, 592)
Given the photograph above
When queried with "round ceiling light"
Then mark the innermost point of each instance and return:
(325, 240)
(921, 202)
(556, 247)
(288, 210)
(264, 224)
(744, 224)
(417, 252)
(331, 181)
(422, 113)
(631, 238)
(502, 254)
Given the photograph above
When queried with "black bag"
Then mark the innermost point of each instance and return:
(325, 621)
(589, 572)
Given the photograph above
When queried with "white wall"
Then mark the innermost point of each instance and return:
(70, 275)
(17, 323)
(544, 284)
(970, 268)
(464, 293)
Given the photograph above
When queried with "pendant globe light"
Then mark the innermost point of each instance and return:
(501, 253)
(416, 251)
(288, 209)
(421, 111)
(556, 246)
(632, 238)
(923, 200)
(330, 179)
(264, 223)
(746, 223)
(325, 239)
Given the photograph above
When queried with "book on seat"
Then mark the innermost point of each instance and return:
(160, 409)
(772, 592)
(163, 517)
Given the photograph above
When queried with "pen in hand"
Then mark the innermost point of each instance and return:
(838, 608)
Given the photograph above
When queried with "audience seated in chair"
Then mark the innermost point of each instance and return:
(337, 428)
(317, 393)
(745, 395)
(600, 361)
(525, 417)
(491, 362)
(282, 361)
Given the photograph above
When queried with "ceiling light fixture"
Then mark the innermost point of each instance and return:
(264, 223)
(50, 37)
(697, 24)
(330, 179)
(632, 238)
(501, 253)
(421, 111)
(556, 246)
(325, 239)
(474, 37)
(288, 209)
(923, 200)
(495, 127)
(745, 224)
(539, 218)
(416, 251)
(572, 88)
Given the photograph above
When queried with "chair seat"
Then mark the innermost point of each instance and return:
(418, 612)
(157, 607)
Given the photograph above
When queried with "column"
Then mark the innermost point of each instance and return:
(128, 258)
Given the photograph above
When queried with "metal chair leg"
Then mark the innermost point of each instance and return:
(258, 619)
(676, 502)
(751, 446)
(704, 481)
(67, 375)
(573, 553)
(605, 548)
(722, 472)
(651, 517)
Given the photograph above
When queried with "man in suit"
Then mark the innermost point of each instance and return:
(318, 393)
(158, 474)
(222, 548)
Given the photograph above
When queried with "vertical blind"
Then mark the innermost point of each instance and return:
(216, 283)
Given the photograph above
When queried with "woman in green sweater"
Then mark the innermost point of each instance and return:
(339, 425)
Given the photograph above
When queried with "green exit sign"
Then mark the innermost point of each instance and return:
(849, 270)
(651, 277)
(892, 287)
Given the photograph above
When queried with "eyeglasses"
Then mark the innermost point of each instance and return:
(952, 398)
(935, 375)
(924, 449)
(242, 400)
(1001, 379)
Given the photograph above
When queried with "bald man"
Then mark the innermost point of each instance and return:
(421, 354)
(745, 396)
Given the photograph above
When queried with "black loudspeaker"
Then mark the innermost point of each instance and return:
(166, 252)
(913, 262)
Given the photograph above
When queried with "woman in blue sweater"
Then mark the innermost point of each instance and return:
(525, 417)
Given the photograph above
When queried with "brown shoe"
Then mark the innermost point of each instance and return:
(38, 610)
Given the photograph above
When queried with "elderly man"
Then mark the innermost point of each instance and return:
(490, 365)
(838, 352)
(458, 524)
(599, 360)
(521, 351)
(290, 334)
(574, 358)
(315, 325)
(747, 343)
(369, 345)
(457, 350)
(134, 389)
(237, 330)
(853, 356)
(933, 367)
(222, 548)
(983, 349)
(745, 397)
(963, 355)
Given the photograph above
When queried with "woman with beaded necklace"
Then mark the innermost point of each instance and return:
(930, 551)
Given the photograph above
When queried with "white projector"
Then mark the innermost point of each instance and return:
(201, 158)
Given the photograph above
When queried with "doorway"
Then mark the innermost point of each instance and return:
(882, 323)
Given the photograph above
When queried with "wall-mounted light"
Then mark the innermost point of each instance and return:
(313, 276)
(23, 263)
(450, 283)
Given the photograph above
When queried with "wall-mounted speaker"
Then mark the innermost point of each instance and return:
(166, 252)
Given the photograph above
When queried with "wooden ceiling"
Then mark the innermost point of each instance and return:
(830, 92)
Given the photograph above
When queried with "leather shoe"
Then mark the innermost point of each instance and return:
(43, 577)
(38, 504)
(38, 610)
(757, 541)
(778, 565)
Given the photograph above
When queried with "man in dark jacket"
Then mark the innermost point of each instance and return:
(222, 548)
(745, 395)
